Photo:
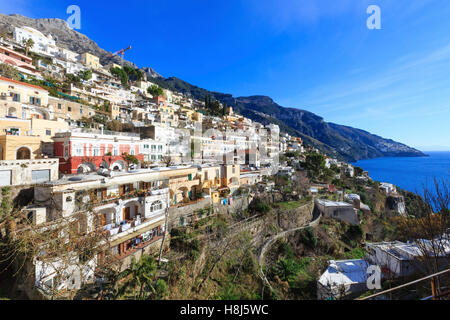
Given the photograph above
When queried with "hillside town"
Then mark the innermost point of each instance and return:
(101, 168)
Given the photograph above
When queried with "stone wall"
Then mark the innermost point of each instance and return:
(187, 212)
(21, 170)
(204, 208)
(151, 249)
(289, 219)
(238, 204)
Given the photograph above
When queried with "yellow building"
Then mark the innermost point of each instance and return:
(20, 147)
(231, 176)
(90, 61)
(15, 127)
(113, 112)
(190, 114)
(17, 91)
(167, 116)
(44, 129)
(11, 109)
(69, 109)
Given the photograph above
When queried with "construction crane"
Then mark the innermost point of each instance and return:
(120, 52)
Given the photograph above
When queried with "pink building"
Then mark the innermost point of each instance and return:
(85, 150)
(21, 62)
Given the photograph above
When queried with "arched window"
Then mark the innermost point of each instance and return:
(23, 153)
(156, 206)
(12, 112)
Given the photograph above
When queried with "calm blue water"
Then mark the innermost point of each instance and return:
(408, 173)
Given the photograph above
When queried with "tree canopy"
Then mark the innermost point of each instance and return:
(155, 91)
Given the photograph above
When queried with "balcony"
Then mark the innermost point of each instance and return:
(126, 227)
(135, 194)
(99, 201)
(114, 229)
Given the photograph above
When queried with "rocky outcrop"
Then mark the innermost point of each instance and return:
(64, 36)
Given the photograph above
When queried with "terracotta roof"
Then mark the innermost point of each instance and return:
(21, 83)
(15, 52)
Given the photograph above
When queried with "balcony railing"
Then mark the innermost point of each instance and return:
(116, 229)
(99, 201)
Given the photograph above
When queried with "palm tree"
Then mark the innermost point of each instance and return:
(28, 44)
(140, 277)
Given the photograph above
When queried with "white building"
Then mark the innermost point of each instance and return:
(68, 55)
(350, 171)
(341, 211)
(71, 67)
(388, 188)
(400, 259)
(343, 278)
(153, 151)
(43, 44)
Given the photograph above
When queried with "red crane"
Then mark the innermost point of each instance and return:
(121, 52)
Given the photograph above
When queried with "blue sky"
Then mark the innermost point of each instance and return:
(316, 55)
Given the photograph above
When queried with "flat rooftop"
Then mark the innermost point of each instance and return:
(89, 177)
(329, 203)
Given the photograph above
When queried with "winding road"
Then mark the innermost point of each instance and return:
(269, 242)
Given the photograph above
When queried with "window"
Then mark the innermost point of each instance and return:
(48, 132)
(35, 101)
(78, 150)
(12, 131)
(156, 206)
(69, 109)
(59, 106)
(16, 97)
(160, 148)
(153, 148)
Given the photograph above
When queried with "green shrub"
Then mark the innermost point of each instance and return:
(355, 232)
(258, 206)
(308, 237)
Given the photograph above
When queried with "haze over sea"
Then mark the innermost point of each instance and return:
(409, 173)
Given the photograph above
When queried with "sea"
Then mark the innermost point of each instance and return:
(411, 173)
